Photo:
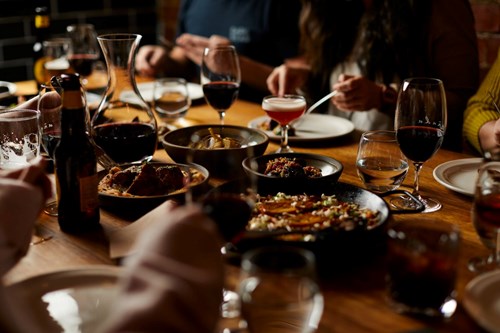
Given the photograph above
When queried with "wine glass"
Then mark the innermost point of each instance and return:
(284, 110)
(420, 125)
(49, 105)
(83, 50)
(220, 78)
(268, 271)
(171, 101)
(486, 216)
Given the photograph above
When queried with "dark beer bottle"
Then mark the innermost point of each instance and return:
(42, 33)
(75, 162)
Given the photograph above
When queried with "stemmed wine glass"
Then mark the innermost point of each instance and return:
(486, 216)
(49, 105)
(284, 109)
(220, 77)
(83, 50)
(420, 126)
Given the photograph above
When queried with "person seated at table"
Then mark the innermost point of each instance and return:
(365, 48)
(482, 118)
(264, 32)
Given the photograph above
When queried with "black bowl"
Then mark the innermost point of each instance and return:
(224, 162)
(331, 169)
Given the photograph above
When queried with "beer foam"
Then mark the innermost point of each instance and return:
(283, 104)
(57, 64)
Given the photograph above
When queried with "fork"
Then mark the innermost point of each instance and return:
(102, 158)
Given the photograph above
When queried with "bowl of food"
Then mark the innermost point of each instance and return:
(142, 187)
(219, 148)
(288, 170)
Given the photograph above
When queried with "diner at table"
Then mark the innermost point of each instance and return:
(355, 296)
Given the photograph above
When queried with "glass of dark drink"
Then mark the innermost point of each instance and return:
(220, 78)
(83, 51)
(486, 216)
(422, 262)
(420, 125)
(49, 105)
(284, 110)
(171, 100)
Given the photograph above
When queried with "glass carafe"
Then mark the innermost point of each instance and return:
(124, 125)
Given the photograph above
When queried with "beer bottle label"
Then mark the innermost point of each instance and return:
(88, 193)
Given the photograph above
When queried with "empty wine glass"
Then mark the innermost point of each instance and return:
(83, 50)
(49, 105)
(420, 125)
(486, 216)
(220, 78)
(284, 109)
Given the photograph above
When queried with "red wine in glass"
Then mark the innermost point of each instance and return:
(221, 95)
(419, 143)
(126, 142)
(82, 63)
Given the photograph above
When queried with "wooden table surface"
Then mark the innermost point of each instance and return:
(354, 299)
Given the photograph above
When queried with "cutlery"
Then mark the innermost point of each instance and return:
(494, 103)
(314, 106)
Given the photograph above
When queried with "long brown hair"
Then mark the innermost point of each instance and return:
(386, 40)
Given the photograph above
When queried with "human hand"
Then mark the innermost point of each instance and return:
(356, 93)
(286, 79)
(194, 45)
(150, 60)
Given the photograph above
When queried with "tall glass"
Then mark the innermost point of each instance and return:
(125, 128)
(486, 215)
(284, 110)
(220, 78)
(420, 126)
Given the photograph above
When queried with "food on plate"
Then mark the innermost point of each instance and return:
(309, 212)
(147, 180)
(285, 167)
(216, 141)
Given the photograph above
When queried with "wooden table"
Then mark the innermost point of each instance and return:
(354, 301)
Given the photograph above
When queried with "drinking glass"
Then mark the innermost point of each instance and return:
(55, 50)
(420, 124)
(49, 105)
(422, 265)
(83, 50)
(486, 215)
(220, 78)
(171, 100)
(284, 110)
(19, 138)
(380, 163)
(278, 290)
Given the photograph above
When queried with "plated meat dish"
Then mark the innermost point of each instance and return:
(309, 212)
(285, 167)
(147, 180)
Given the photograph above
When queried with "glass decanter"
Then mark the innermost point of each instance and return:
(124, 125)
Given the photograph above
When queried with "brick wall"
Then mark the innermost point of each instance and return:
(108, 16)
(487, 15)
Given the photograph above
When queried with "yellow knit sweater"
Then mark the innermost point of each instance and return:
(480, 108)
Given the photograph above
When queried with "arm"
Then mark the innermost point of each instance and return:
(481, 127)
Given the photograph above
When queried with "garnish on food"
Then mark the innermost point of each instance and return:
(216, 141)
(285, 167)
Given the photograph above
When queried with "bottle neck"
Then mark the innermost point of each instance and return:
(73, 115)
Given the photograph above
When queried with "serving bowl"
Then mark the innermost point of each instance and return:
(220, 162)
(331, 169)
(137, 205)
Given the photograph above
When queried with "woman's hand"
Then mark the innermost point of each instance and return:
(286, 79)
(151, 60)
(356, 93)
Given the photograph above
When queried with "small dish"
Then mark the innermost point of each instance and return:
(142, 204)
(331, 169)
(482, 299)
(458, 175)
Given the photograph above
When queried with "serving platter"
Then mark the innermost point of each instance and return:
(333, 248)
(72, 300)
(142, 204)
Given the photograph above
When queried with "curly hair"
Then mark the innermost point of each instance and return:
(386, 40)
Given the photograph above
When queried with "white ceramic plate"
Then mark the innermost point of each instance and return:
(458, 175)
(482, 300)
(312, 127)
(11, 86)
(195, 91)
(76, 300)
